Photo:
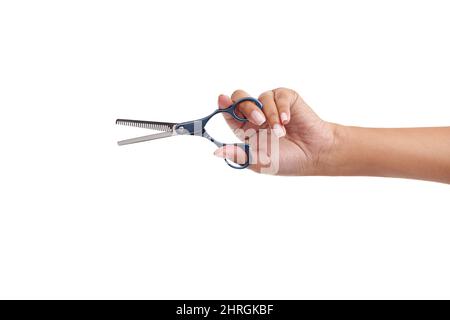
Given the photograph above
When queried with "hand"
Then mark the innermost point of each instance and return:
(297, 139)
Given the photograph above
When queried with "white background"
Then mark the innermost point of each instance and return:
(81, 217)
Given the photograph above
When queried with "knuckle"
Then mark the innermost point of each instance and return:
(266, 94)
(285, 97)
(281, 93)
(285, 93)
(283, 90)
(238, 93)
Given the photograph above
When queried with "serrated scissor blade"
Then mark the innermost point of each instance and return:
(153, 125)
(147, 138)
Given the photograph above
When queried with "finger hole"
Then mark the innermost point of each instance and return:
(250, 111)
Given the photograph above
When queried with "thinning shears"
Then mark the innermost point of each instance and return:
(193, 128)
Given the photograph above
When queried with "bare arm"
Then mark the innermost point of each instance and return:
(415, 153)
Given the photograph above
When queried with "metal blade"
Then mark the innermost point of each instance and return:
(147, 138)
(153, 125)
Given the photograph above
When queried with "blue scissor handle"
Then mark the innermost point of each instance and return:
(232, 111)
(192, 128)
(246, 148)
(232, 108)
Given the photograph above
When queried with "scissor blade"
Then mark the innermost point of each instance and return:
(147, 138)
(153, 125)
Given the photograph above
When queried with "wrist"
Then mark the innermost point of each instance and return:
(332, 158)
(358, 151)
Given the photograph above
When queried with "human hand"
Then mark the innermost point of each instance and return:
(286, 137)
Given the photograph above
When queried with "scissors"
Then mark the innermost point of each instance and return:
(193, 128)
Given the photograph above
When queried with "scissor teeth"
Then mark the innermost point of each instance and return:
(146, 124)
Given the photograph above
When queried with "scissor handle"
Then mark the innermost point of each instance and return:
(232, 111)
(244, 147)
(197, 127)
(232, 108)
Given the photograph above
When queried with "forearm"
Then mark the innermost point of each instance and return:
(416, 153)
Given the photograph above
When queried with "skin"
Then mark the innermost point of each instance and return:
(309, 145)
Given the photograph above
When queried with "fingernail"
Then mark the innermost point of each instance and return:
(221, 101)
(284, 117)
(278, 130)
(219, 153)
(258, 117)
(224, 153)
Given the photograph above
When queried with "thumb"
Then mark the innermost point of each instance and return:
(232, 153)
